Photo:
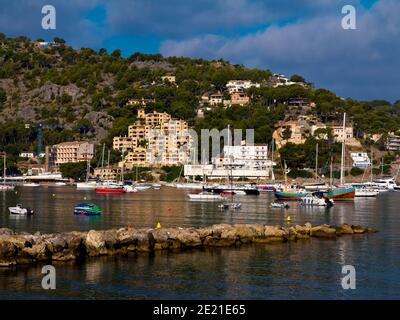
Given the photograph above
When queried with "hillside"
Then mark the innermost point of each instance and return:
(83, 94)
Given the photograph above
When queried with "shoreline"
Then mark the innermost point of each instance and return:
(24, 248)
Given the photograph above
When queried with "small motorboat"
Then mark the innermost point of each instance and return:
(87, 209)
(6, 187)
(223, 206)
(156, 186)
(31, 184)
(317, 199)
(18, 209)
(236, 206)
(60, 184)
(280, 205)
(142, 187)
(130, 189)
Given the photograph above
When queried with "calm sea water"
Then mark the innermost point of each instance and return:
(308, 269)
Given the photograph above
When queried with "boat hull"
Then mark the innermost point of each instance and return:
(341, 194)
(253, 192)
(282, 195)
(107, 190)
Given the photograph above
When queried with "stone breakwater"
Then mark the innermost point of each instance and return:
(24, 248)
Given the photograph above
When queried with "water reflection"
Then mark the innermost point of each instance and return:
(304, 269)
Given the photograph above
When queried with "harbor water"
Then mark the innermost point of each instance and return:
(306, 269)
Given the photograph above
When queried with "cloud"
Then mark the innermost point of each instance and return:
(23, 17)
(358, 63)
(177, 18)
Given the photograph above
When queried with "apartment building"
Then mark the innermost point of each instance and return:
(71, 152)
(155, 139)
(305, 126)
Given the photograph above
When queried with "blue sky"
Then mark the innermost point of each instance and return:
(286, 36)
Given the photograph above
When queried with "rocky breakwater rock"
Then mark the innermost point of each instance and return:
(23, 248)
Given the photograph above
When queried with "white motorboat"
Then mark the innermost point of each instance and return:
(189, 186)
(205, 196)
(60, 184)
(6, 187)
(388, 183)
(142, 187)
(366, 192)
(316, 200)
(156, 186)
(130, 189)
(31, 184)
(90, 185)
(279, 205)
(18, 209)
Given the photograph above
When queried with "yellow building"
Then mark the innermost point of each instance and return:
(155, 139)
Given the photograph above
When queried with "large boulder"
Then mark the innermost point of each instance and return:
(272, 234)
(323, 231)
(38, 251)
(189, 238)
(246, 232)
(95, 244)
(303, 232)
(345, 229)
(8, 253)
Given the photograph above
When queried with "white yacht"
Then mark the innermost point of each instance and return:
(205, 196)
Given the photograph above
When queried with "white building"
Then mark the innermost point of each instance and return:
(283, 81)
(360, 159)
(239, 85)
(235, 161)
(26, 155)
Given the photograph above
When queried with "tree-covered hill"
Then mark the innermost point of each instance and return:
(82, 94)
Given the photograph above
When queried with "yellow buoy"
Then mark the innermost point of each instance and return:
(158, 225)
(84, 198)
(288, 219)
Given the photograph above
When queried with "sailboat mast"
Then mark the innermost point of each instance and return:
(331, 173)
(372, 161)
(316, 161)
(272, 159)
(343, 149)
(4, 168)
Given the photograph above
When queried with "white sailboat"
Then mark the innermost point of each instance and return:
(4, 186)
(87, 185)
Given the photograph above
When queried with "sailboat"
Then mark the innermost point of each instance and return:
(4, 186)
(342, 192)
(88, 184)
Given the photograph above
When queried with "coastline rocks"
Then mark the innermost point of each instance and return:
(324, 231)
(23, 248)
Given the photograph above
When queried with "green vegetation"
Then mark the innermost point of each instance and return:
(297, 173)
(356, 171)
(101, 83)
(171, 173)
(76, 171)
